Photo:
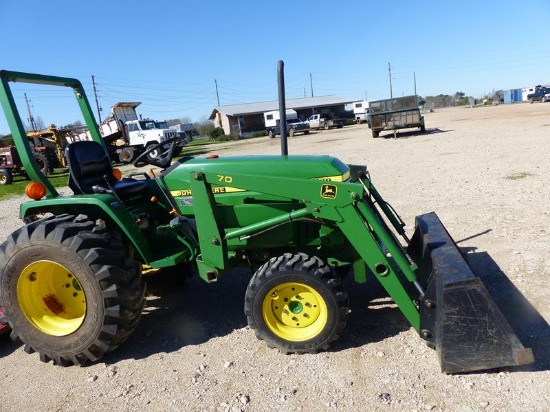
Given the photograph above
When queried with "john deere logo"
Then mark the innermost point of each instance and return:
(328, 191)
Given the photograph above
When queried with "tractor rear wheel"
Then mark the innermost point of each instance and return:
(42, 162)
(53, 161)
(6, 178)
(70, 289)
(296, 303)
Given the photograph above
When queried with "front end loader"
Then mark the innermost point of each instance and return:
(71, 283)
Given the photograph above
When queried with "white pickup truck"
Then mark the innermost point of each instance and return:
(361, 112)
(321, 121)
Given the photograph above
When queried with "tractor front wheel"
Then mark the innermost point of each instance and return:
(296, 304)
(70, 289)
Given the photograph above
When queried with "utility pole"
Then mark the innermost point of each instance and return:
(30, 118)
(99, 109)
(391, 91)
(391, 101)
(311, 83)
(217, 95)
(414, 74)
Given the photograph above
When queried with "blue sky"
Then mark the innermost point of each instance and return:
(169, 53)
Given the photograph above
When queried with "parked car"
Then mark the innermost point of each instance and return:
(538, 94)
(324, 121)
(546, 97)
(293, 126)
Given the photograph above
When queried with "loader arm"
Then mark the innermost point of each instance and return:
(453, 311)
(341, 203)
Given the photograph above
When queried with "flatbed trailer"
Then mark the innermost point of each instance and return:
(396, 113)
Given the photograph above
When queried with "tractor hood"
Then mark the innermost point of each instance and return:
(300, 167)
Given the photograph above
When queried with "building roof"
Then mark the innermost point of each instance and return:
(262, 107)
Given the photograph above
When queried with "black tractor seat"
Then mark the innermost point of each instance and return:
(91, 171)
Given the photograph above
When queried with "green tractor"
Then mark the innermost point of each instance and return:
(71, 284)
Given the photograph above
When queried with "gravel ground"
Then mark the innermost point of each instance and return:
(483, 170)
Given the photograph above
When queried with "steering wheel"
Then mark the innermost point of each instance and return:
(167, 149)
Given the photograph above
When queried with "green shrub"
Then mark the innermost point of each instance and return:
(259, 134)
(216, 133)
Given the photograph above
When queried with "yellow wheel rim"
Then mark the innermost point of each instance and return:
(294, 311)
(51, 298)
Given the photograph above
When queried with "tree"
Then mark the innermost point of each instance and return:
(445, 100)
(204, 126)
(182, 120)
(173, 122)
(38, 123)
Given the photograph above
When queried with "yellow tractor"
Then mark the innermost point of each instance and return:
(50, 142)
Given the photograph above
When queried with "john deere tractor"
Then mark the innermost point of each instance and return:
(71, 283)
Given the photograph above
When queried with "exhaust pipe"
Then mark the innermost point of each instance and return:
(458, 316)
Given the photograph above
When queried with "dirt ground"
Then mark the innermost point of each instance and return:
(483, 170)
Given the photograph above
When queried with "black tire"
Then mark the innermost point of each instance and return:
(53, 161)
(42, 162)
(271, 134)
(153, 154)
(291, 132)
(70, 289)
(6, 178)
(127, 155)
(375, 133)
(308, 288)
(306, 132)
(326, 126)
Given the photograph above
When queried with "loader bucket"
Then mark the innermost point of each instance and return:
(458, 316)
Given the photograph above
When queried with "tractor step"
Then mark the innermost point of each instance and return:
(458, 316)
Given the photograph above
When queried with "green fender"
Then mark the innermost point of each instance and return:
(98, 206)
